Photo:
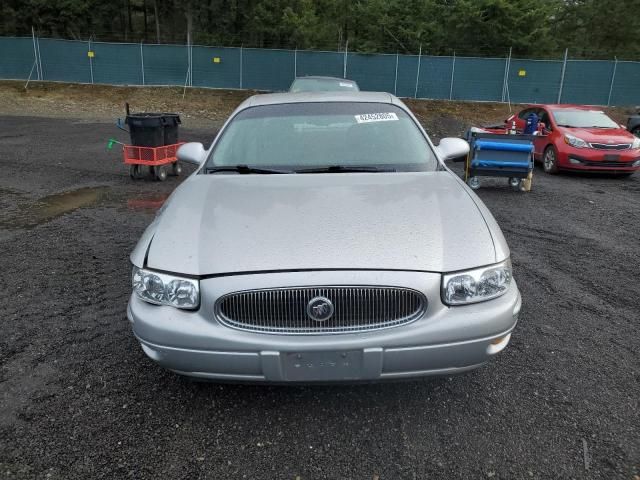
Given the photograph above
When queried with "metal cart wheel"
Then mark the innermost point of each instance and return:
(135, 171)
(160, 173)
(474, 183)
(515, 183)
(176, 169)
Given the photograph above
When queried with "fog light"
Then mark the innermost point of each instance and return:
(498, 344)
(574, 161)
(636, 163)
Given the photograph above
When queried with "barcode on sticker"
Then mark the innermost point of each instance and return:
(376, 117)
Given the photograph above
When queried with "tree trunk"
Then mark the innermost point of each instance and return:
(144, 15)
(129, 22)
(189, 14)
(157, 19)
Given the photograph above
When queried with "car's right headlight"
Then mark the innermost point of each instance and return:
(636, 143)
(478, 285)
(575, 141)
(163, 289)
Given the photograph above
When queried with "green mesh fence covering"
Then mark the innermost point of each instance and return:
(319, 63)
(595, 82)
(435, 77)
(65, 60)
(478, 79)
(407, 72)
(626, 83)
(216, 67)
(534, 81)
(372, 72)
(267, 69)
(587, 81)
(117, 63)
(165, 64)
(16, 58)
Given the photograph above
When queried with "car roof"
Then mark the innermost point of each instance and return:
(320, 77)
(317, 97)
(564, 106)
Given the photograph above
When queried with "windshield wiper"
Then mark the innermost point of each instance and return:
(344, 168)
(244, 169)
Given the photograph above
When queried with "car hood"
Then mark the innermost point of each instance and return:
(217, 224)
(601, 135)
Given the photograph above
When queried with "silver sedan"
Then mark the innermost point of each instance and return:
(322, 238)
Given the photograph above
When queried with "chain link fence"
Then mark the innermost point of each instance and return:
(594, 82)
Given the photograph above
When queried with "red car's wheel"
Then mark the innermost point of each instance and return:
(550, 160)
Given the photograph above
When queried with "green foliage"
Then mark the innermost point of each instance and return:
(535, 28)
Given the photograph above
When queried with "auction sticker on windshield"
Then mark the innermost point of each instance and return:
(376, 117)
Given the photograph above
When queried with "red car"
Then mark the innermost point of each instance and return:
(577, 137)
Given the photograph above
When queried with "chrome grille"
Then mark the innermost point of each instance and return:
(355, 309)
(607, 146)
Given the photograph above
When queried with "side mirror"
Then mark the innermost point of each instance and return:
(192, 152)
(452, 148)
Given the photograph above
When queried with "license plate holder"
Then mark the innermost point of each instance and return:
(319, 366)
(611, 157)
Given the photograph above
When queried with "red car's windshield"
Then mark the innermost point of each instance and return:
(583, 119)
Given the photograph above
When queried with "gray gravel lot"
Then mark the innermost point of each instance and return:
(78, 398)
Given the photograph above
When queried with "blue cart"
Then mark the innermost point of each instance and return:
(498, 155)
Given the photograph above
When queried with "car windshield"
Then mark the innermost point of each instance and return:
(322, 85)
(583, 119)
(312, 136)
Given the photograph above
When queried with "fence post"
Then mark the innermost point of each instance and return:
(564, 68)
(142, 63)
(40, 59)
(90, 63)
(415, 93)
(295, 63)
(35, 54)
(344, 67)
(453, 71)
(240, 66)
(613, 79)
(506, 74)
(395, 82)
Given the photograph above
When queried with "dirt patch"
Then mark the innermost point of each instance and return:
(203, 107)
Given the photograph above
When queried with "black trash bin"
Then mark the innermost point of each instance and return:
(171, 122)
(146, 129)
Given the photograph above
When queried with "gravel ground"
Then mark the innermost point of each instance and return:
(79, 399)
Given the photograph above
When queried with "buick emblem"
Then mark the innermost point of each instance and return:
(320, 309)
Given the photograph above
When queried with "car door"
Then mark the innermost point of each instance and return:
(542, 140)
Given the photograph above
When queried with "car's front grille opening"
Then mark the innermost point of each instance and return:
(316, 310)
(607, 146)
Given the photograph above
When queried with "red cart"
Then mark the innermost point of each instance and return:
(161, 161)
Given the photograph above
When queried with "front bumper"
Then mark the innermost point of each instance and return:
(444, 341)
(600, 160)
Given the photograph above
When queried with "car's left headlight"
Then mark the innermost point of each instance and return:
(636, 143)
(163, 289)
(476, 285)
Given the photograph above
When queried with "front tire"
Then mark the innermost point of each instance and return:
(550, 160)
